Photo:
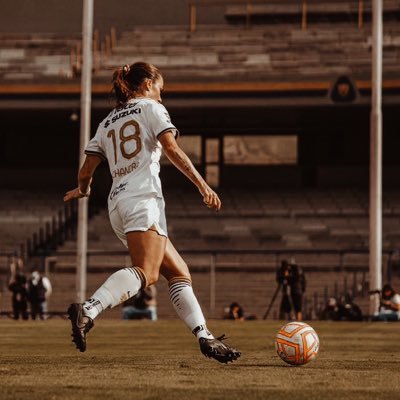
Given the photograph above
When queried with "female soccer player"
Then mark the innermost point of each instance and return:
(131, 139)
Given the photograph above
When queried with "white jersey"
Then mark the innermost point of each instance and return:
(128, 139)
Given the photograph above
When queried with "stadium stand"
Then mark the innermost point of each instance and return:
(340, 224)
(24, 214)
(266, 53)
(263, 53)
(307, 11)
(325, 230)
(28, 57)
(330, 243)
(265, 48)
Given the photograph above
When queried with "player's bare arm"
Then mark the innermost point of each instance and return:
(181, 161)
(84, 178)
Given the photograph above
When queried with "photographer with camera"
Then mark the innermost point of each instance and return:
(292, 280)
(389, 309)
(142, 305)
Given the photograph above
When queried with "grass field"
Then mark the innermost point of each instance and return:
(161, 360)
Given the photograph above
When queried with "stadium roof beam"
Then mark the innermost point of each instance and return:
(190, 87)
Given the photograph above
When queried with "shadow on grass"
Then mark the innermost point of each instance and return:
(262, 366)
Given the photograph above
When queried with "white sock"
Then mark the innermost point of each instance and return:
(187, 307)
(120, 286)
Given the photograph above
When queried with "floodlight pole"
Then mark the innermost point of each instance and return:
(86, 97)
(375, 207)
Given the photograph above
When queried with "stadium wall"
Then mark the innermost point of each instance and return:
(57, 16)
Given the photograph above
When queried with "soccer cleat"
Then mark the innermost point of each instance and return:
(214, 348)
(81, 325)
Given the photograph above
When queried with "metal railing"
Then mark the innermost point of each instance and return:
(215, 262)
(52, 234)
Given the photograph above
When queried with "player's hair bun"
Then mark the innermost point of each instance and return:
(127, 80)
(126, 68)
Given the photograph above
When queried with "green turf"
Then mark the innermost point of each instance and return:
(161, 361)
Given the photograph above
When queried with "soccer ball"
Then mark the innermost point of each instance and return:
(297, 343)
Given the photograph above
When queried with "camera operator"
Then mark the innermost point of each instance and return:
(389, 309)
(292, 280)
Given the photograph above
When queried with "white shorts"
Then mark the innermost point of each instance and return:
(138, 214)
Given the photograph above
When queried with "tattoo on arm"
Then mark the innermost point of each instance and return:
(180, 160)
(183, 163)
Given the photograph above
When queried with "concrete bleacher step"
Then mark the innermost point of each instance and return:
(164, 60)
(298, 222)
(250, 273)
(22, 214)
(32, 56)
(270, 52)
(281, 52)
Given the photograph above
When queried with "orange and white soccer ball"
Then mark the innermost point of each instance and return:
(297, 343)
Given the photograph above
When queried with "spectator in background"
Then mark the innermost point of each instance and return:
(345, 310)
(350, 311)
(331, 311)
(39, 290)
(17, 285)
(142, 305)
(292, 280)
(389, 309)
(234, 312)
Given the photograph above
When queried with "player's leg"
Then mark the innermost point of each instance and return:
(140, 224)
(134, 221)
(185, 303)
(147, 251)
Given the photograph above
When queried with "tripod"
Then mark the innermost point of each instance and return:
(272, 302)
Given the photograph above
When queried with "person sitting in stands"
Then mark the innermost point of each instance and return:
(350, 311)
(142, 305)
(331, 311)
(234, 312)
